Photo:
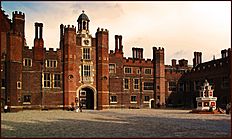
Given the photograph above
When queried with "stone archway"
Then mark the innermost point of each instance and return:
(151, 103)
(87, 95)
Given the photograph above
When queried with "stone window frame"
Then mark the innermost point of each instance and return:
(86, 55)
(113, 100)
(134, 85)
(150, 73)
(112, 69)
(132, 100)
(19, 85)
(131, 70)
(55, 80)
(48, 81)
(51, 63)
(27, 62)
(128, 84)
(138, 71)
(86, 70)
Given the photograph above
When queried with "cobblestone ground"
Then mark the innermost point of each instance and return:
(114, 123)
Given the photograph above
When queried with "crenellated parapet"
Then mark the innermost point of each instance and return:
(18, 21)
(158, 49)
(69, 28)
(104, 31)
(18, 15)
(130, 60)
(6, 16)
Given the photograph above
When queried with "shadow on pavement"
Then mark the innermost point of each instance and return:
(134, 126)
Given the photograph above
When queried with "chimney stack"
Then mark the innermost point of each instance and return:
(173, 62)
(116, 43)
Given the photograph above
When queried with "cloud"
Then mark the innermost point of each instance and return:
(179, 53)
(180, 27)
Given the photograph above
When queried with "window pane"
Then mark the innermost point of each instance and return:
(111, 68)
(136, 83)
(126, 83)
(46, 79)
(127, 70)
(148, 85)
(147, 71)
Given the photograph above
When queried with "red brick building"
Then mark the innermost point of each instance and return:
(83, 70)
(217, 72)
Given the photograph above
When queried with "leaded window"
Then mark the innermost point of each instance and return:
(57, 80)
(86, 53)
(47, 80)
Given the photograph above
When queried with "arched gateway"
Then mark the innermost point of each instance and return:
(87, 95)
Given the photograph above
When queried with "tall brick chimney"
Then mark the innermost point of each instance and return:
(38, 42)
(173, 62)
(120, 43)
(197, 58)
(116, 43)
(137, 53)
(225, 53)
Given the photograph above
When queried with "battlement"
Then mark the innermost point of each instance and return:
(131, 60)
(160, 49)
(5, 15)
(51, 50)
(18, 15)
(69, 28)
(102, 30)
(48, 50)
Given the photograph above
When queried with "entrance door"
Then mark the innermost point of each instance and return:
(87, 98)
(152, 103)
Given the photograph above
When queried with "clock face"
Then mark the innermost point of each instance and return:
(86, 42)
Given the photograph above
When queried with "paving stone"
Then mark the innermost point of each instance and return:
(115, 123)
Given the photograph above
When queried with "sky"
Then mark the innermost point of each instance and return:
(180, 27)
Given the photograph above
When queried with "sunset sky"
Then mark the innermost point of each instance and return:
(180, 27)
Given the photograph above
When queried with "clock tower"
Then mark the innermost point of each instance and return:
(86, 65)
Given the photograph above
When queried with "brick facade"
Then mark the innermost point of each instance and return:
(83, 72)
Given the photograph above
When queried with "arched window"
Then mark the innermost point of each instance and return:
(84, 25)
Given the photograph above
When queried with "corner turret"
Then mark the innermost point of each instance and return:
(18, 22)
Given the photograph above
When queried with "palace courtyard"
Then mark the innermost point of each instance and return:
(114, 123)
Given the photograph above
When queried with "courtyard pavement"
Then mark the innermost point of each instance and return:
(114, 123)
